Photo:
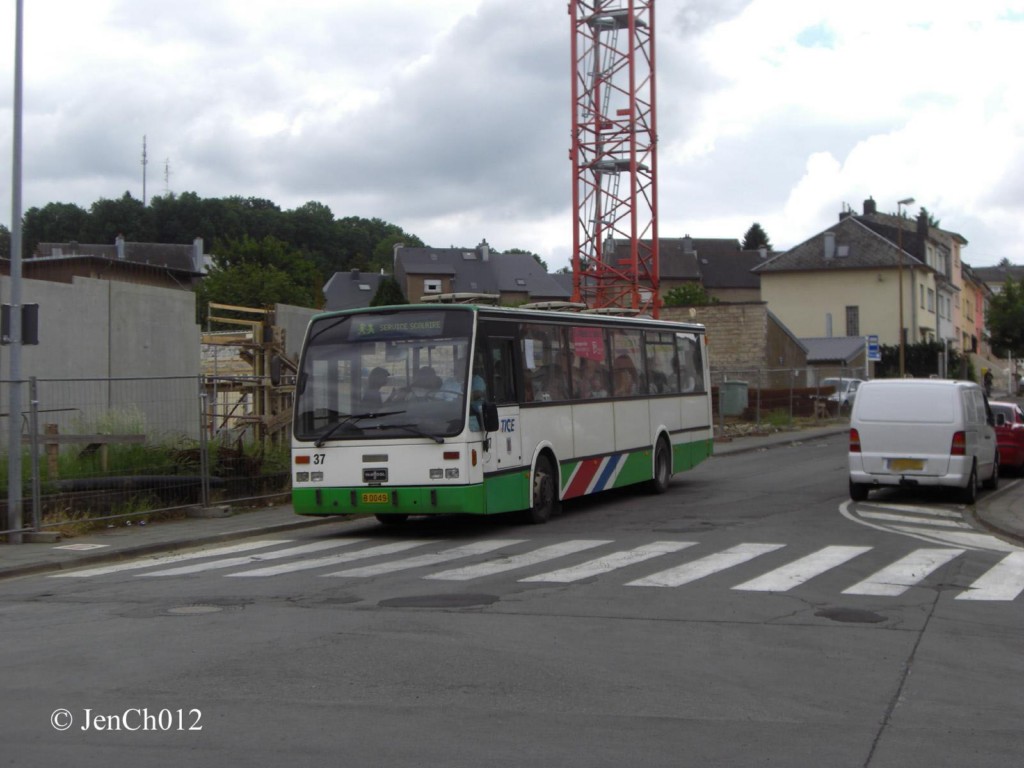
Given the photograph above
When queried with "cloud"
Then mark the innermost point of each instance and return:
(452, 118)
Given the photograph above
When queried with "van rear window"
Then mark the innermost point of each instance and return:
(917, 405)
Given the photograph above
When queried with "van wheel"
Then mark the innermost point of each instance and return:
(993, 482)
(969, 494)
(858, 491)
(545, 493)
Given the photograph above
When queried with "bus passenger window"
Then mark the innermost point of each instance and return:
(590, 362)
(691, 367)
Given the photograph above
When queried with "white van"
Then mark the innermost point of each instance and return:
(916, 432)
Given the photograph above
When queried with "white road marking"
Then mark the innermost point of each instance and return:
(344, 557)
(611, 562)
(517, 561)
(421, 561)
(231, 562)
(698, 569)
(802, 570)
(897, 578)
(971, 540)
(1004, 581)
(938, 522)
(149, 562)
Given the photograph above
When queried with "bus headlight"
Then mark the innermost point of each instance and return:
(436, 474)
(452, 474)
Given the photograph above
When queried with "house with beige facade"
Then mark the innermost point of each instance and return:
(849, 280)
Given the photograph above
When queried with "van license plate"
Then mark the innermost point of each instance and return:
(376, 498)
(905, 465)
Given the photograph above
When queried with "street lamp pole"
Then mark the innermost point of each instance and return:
(899, 239)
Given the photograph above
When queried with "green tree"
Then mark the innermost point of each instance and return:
(756, 238)
(258, 273)
(388, 293)
(383, 256)
(1005, 319)
(688, 295)
(921, 360)
(54, 223)
(250, 285)
(125, 216)
(5, 242)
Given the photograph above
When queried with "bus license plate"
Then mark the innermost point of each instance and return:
(905, 465)
(376, 498)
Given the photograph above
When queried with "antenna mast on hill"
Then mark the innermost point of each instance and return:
(145, 162)
(615, 241)
(167, 176)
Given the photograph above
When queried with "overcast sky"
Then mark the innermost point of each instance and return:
(452, 118)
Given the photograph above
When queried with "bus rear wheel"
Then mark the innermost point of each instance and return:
(544, 493)
(662, 467)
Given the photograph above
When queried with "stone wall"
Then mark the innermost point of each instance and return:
(744, 342)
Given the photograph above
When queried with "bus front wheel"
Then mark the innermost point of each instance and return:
(544, 492)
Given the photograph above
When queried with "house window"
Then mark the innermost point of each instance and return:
(431, 286)
(853, 321)
(931, 300)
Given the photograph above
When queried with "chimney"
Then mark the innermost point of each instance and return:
(197, 255)
(687, 244)
(830, 245)
(485, 250)
(762, 252)
(354, 274)
(870, 207)
(119, 244)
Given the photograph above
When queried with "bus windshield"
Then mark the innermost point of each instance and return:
(384, 375)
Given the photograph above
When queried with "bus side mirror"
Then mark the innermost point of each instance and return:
(489, 411)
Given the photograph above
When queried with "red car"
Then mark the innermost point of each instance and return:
(1010, 434)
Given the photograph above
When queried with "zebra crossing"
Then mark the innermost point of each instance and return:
(672, 564)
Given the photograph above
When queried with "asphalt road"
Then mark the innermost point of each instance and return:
(750, 616)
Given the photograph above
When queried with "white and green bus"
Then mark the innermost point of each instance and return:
(439, 409)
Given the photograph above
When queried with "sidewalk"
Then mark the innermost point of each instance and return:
(1001, 513)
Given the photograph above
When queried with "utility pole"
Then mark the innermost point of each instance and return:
(899, 238)
(14, 517)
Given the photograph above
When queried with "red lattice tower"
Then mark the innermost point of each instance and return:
(614, 159)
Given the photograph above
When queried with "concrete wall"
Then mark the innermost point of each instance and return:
(102, 329)
(294, 321)
(99, 330)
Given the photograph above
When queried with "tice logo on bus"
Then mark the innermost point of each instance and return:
(508, 425)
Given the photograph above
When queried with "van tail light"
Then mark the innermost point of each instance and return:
(959, 445)
(854, 441)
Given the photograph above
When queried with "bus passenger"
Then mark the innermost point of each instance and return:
(625, 379)
(378, 378)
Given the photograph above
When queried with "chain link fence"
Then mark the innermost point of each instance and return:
(108, 449)
(780, 396)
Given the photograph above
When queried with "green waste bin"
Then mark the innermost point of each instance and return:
(733, 397)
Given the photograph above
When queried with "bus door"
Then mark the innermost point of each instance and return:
(502, 449)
